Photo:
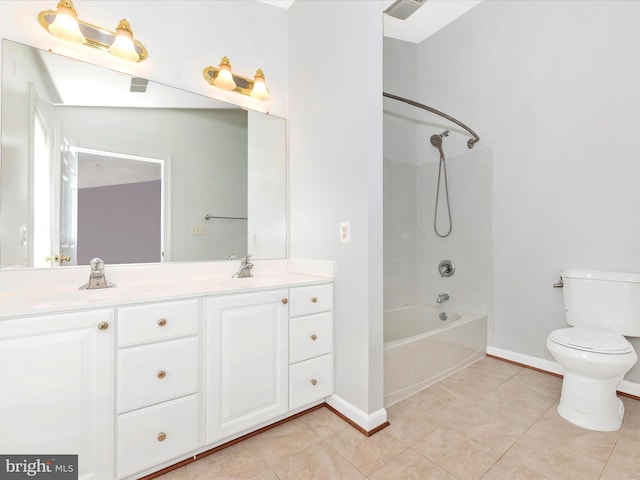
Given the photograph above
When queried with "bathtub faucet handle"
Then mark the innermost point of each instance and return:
(442, 297)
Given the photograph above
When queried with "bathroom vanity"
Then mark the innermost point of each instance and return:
(141, 376)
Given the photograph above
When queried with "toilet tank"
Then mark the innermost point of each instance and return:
(607, 301)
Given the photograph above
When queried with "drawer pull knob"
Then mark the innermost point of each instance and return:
(314, 299)
(285, 301)
(162, 436)
(314, 382)
(162, 374)
(162, 322)
(314, 337)
(103, 325)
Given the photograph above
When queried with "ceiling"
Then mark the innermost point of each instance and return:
(426, 21)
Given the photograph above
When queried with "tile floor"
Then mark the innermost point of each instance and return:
(491, 421)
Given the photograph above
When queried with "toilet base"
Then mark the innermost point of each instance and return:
(591, 403)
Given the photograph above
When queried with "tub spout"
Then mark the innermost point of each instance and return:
(442, 297)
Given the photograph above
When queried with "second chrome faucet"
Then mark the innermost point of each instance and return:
(245, 268)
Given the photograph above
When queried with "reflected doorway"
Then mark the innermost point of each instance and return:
(120, 212)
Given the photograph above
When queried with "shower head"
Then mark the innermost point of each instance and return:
(436, 140)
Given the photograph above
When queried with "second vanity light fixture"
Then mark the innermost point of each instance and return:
(222, 77)
(65, 24)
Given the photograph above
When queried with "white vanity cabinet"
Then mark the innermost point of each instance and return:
(246, 361)
(310, 344)
(56, 388)
(157, 383)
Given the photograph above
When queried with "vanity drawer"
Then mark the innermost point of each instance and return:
(156, 434)
(310, 336)
(308, 300)
(154, 373)
(158, 321)
(310, 380)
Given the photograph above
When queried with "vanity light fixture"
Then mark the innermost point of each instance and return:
(65, 24)
(222, 77)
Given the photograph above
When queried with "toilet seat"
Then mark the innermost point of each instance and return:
(591, 340)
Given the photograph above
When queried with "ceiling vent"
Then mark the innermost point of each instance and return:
(138, 85)
(402, 9)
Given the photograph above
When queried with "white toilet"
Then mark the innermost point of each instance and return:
(601, 307)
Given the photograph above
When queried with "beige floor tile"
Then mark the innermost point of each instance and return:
(485, 424)
(495, 367)
(324, 422)
(507, 469)
(264, 475)
(410, 465)
(624, 463)
(558, 432)
(555, 451)
(237, 461)
(541, 381)
(431, 398)
(410, 423)
(285, 440)
(318, 462)
(366, 453)
(178, 474)
(461, 456)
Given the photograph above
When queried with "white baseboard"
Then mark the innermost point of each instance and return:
(625, 386)
(528, 360)
(366, 421)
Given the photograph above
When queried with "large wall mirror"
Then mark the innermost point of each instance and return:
(96, 163)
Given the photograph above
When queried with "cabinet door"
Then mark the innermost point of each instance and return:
(246, 364)
(56, 388)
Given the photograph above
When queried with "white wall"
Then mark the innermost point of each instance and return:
(552, 87)
(335, 139)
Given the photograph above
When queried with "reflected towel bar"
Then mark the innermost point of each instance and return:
(470, 142)
(208, 217)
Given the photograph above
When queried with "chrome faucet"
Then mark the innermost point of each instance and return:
(97, 278)
(245, 268)
(442, 297)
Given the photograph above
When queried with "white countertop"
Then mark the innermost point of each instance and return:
(163, 284)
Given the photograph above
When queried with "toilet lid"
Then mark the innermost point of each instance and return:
(591, 340)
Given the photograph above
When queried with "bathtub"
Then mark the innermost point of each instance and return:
(420, 348)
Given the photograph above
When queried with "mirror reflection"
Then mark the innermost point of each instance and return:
(96, 163)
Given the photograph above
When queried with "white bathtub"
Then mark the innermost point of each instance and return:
(420, 349)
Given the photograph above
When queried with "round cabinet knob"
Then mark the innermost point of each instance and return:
(162, 436)
(314, 337)
(314, 382)
(314, 299)
(162, 374)
(162, 322)
(103, 325)
(285, 301)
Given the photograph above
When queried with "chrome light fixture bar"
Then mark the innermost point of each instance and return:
(222, 77)
(65, 24)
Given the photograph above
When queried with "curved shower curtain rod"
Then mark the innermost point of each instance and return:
(470, 142)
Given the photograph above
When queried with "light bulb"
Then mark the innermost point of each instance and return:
(259, 90)
(123, 46)
(65, 25)
(224, 78)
